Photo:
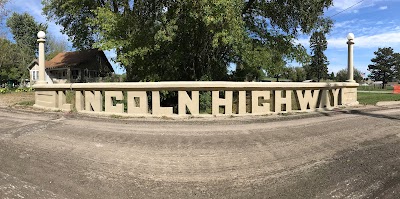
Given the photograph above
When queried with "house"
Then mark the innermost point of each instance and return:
(73, 67)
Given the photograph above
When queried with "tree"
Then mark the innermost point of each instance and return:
(342, 75)
(9, 61)
(54, 46)
(332, 76)
(186, 40)
(296, 74)
(384, 65)
(319, 62)
(24, 29)
(3, 14)
(396, 72)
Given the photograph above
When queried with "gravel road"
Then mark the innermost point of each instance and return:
(339, 154)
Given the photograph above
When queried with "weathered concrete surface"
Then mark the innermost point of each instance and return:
(342, 154)
(388, 103)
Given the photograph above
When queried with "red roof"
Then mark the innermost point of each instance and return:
(74, 58)
(68, 59)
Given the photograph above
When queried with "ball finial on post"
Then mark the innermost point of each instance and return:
(41, 35)
(350, 36)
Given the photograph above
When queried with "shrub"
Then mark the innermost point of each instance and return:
(24, 89)
(4, 90)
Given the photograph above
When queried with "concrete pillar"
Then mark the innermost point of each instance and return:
(350, 69)
(41, 35)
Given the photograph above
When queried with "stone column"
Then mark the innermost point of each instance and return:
(350, 69)
(42, 74)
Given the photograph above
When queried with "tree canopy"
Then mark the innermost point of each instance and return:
(191, 40)
(318, 68)
(384, 65)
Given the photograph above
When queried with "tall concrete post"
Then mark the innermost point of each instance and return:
(42, 75)
(350, 69)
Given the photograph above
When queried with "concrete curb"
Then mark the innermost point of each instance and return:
(388, 103)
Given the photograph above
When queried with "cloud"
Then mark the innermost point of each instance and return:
(391, 39)
(346, 24)
(344, 4)
(340, 5)
(383, 8)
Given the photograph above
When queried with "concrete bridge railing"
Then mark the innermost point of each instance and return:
(227, 98)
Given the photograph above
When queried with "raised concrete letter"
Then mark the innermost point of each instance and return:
(142, 109)
(185, 101)
(242, 103)
(93, 101)
(279, 101)
(79, 101)
(325, 100)
(307, 99)
(157, 109)
(217, 102)
(335, 93)
(109, 106)
(265, 107)
(62, 101)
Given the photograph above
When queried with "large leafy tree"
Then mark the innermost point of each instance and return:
(10, 62)
(191, 40)
(383, 65)
(24, 29)
(319, 62)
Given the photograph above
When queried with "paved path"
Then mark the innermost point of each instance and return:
(347, 154)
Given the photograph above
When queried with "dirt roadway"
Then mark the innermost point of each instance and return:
(337, 155)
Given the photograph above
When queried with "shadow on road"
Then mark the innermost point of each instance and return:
(357, 112)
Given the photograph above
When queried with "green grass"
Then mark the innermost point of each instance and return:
(373, 98)
(26, 103)
(374, 88)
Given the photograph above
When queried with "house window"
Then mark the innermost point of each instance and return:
(35, 75)
(75, 74)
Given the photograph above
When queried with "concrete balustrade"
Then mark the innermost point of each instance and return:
(228, 98)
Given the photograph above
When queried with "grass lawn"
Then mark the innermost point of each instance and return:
(374, 88)
(373, 98)
(21, 98)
